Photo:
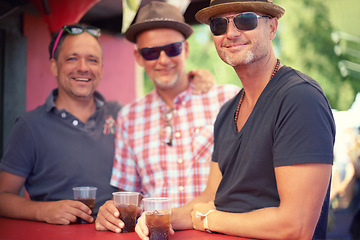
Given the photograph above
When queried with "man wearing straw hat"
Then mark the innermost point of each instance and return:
(273, 143)
(164, 140)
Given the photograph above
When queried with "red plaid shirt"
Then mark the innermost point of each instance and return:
(145, 162)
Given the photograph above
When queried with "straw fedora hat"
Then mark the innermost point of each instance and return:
(158, 15)
(226, 6)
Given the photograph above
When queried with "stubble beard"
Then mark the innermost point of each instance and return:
(82, 92)
(249, 58)
(82, 95)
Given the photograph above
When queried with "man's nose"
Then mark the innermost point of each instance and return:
(83, 65)
(232, 30)
(163, 58)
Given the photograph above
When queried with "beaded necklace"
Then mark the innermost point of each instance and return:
(243, 94)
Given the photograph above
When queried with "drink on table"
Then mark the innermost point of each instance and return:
(90, 202)
(127, 204)
(128, 214)
(86, 195)
(158, 217)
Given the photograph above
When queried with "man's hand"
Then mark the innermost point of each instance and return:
(141, 229)
(65, 212)
(108, 218)
(202, 80)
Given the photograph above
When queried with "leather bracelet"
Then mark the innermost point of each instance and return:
(206, 224)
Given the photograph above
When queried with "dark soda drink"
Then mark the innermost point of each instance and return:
(90, 202)
(128, 214)
(158, 224)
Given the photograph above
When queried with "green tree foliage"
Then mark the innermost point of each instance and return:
(305, 43)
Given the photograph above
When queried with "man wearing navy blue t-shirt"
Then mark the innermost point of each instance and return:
(273, 142)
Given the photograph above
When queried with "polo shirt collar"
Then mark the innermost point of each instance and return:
(50, 100)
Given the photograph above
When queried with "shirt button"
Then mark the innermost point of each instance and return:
(75, 122)
(177, 134)
(180, 160)
(63, 115)
(181, 188)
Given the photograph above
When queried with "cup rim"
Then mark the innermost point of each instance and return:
(125, 193)
(84, 188)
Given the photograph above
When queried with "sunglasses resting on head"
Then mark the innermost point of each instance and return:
(75, 29)
(153, 53)
(244, 22)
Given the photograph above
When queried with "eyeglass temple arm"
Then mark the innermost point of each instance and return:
(56, 42)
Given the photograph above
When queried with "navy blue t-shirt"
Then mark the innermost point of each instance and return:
(291, 123)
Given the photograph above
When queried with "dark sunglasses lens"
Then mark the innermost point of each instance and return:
(246, 21)
(150, 53)
(218, 26)
(173, 49)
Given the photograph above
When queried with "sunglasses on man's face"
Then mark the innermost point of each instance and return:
(244, 22)
(153, 53)
(75, 30)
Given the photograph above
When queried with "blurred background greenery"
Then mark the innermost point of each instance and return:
(307, 37)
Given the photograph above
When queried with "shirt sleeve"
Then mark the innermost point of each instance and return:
(20, 150)
(304, 130)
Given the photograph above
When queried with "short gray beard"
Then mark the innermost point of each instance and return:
(249, 57)
(168, 85)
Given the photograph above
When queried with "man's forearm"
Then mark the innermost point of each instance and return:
(15, 206)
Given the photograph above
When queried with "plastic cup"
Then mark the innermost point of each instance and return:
(127, 204)
(158, 217)
(86, 195)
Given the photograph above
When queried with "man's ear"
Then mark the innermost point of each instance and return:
(53, 67)
(186, 49)
(138, 57)
(273, 28)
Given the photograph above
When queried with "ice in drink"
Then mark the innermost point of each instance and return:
(158, 223)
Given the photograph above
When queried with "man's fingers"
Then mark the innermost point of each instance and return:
(108, 218)
(108, 226)
(140, 233)
(100, 227)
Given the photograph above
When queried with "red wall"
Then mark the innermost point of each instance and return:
(118, 79)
